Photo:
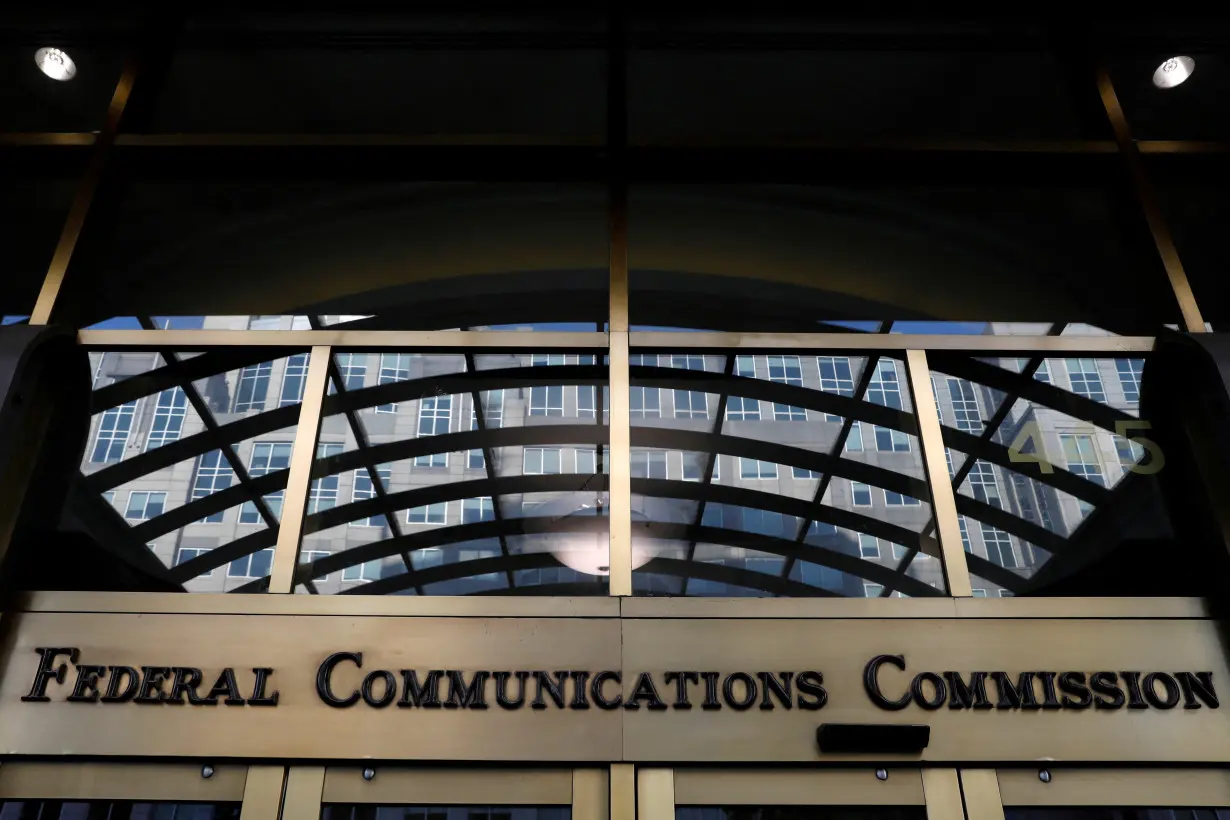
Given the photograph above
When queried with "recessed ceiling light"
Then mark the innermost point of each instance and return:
(55, 64)
(1173, 72)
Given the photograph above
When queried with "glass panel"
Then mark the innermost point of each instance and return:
(794, 475)
(346, 240)
(114, 809)
(339, 811)
(174, 448)
(936, 245)
(800, 812)
(452, 474)
(1059, 478)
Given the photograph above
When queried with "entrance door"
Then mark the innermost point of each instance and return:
(868, 793)
(1058, 793)
(381, 792)
(126, 791)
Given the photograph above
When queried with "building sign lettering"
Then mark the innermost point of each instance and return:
(886, 681)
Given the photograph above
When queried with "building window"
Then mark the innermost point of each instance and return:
(324, 490)
(690, 404)
(168, 422)
(549, 359)
(964, 406)
(367, 571)
(267, 457)
(587, 461)
(854, 441)
(1128, 452)
(871, 590)
(541, 461)
(739, 408)
(861, 493)
(394, 367)
(474, 510)
(113, 430)
(803, 472)
(648, 463)
(891, 441)
(294, 379)
(786, 370)
(982, 484)
(898, 552)
(186, 554)
(868, 546)
(213, 473)
(835, 377)
(979, 593)
(1043, 373)
(645, 402)
(999, 547)
(255, 565)
(1081, 456)
(311, 557)
(1083, 373)
(253, 386)
(963, 526)
(1003, 593)
(435, 416)
(885, 388)
(1130, 371)
(493, 418)
(363, 489)
(751, 468)
(893, 499)
(352, 367)
(109, 497)
(429, 514)
(142, 506)
(547, 400)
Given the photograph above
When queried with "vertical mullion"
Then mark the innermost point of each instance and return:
(83, 199)
(623, 792)
(980, 788)
(304, 787)
(943, 499)
(1162, 239)
(262, 793)
(942, 791)
(299, 477)
(589, 795)
(655, 794)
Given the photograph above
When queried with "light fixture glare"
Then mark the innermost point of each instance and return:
(1173, 71)
(55, 63)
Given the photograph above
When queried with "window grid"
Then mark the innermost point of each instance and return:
(648, 463)
(352, 367)
(256, 565)
(1130, 371)
(860, 493)
(363, 489)
(999, 547)
(493, 417)
(1083, 374)
(213, 473)
(739, 408)
(541, 461)
(311, 556)
(267, 457)
(435, 417)
(893, 499)
(323, 495)
(293, 380)
(394, 367)
(868, 546)
(428, 514)
(253, 387)
(786, 370)
(754, 469)
(835, 377)
(113, 431)
(474, 510)
(964, 402)
(983, 485)
(885, 386)
(144, 505)
(170, 410)
(186, 554)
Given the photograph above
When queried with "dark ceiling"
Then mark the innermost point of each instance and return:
(524, 99)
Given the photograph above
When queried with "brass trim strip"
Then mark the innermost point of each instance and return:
(1189, 788)
(299, 480)
(623, 793)
(980, 787)
(304, 788)
(1120, 608)
(48, 138)
(619, 513)
(793, 608)
(371, 339)
(262, 793)
(21, 780)
(590, 788)
(392, 785)
(943, 794)
(861, 787)
(943, 499)
(655, 794)
(872, 342)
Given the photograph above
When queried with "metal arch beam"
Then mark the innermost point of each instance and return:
(710, 460)
(736, 576)
(210, 363)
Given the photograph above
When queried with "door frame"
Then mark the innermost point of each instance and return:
(988, 791)
(137, 782)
